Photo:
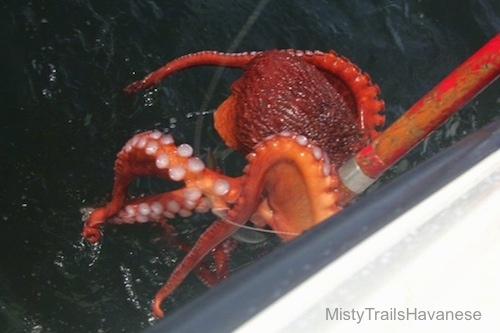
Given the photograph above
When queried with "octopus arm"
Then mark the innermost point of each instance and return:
(295, 179)
(213, 236)
(213, 58)
(369, 106)
(155, 154)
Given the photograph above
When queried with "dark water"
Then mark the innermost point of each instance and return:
(63, 118)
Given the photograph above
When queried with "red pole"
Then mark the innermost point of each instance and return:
(427, 114)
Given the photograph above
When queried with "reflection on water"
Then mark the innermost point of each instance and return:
(64, 118)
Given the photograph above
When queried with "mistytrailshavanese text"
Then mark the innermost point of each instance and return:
(407, 314)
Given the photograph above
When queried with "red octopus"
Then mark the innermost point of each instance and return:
(298, 115)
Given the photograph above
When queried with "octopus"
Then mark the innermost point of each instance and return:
(296, 115)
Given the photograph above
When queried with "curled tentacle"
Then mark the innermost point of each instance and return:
(305, 177)
(322, 96)
(296, 179)
(155, 154)
(340, 71)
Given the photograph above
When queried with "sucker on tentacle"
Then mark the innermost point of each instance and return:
(309, 200)
(155, 154)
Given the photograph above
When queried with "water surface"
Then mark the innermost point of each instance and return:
(64, 117)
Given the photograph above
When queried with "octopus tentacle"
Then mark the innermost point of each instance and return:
(215, 234)
(182, 202)
(157, 207)
(296, 177)
(220, 254)
(155, 154)
(339, 71)
(279, 91)
(189, 60)
(369, 106)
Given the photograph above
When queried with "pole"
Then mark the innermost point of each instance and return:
(427, 114)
